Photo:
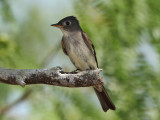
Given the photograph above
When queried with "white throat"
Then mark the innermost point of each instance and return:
(68, 33)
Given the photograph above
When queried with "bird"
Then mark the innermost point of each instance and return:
(79, 48)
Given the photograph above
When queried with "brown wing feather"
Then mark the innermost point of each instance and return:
(90, 45)
(63, 47)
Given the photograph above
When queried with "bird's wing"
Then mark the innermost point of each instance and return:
(63, 47)
(89, 44)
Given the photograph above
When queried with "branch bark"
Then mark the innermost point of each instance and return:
(53, 76)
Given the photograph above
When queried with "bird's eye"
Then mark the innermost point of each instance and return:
(68, 23)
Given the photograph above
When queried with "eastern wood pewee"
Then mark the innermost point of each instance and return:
(77, 45)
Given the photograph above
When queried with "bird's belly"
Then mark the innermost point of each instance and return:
(82, 57)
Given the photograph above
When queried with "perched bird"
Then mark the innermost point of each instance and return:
(77, 45)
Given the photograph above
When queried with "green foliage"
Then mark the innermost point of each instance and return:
(123, 27)
(124, 32)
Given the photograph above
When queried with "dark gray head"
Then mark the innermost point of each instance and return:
(69, 23)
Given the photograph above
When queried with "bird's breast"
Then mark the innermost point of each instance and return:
(79, 53)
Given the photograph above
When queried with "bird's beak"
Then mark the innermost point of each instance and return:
(56, 25)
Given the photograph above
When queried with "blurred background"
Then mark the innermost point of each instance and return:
(126, 36)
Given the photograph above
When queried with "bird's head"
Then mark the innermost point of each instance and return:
(69, 24)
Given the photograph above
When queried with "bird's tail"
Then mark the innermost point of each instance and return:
(104, 98)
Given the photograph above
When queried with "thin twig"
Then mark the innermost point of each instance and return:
(22, 98)
(50, 55)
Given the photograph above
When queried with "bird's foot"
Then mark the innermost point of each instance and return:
(75, 71)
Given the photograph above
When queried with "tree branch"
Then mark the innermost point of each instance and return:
(53, 76)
